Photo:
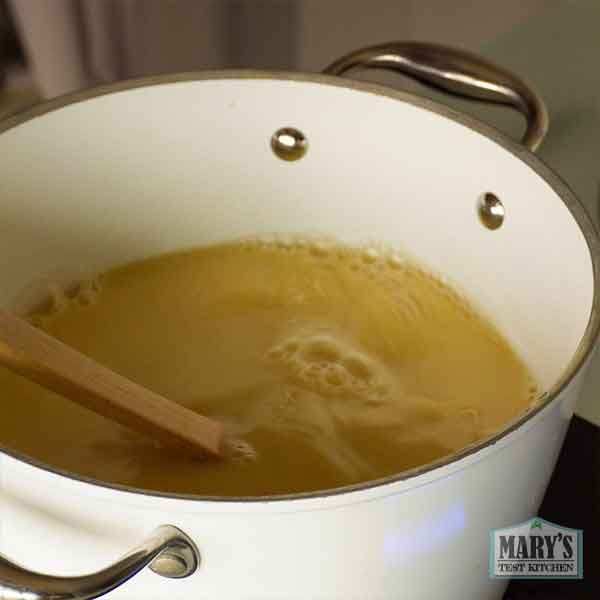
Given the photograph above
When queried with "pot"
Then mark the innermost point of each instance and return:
(143, 167)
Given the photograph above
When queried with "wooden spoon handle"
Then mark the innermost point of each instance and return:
(30, 352)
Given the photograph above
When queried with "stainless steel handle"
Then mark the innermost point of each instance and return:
(458, 72)
(168, 551)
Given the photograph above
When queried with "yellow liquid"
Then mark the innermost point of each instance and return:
(333, 365)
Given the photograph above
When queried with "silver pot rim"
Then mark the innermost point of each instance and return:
(555, 182)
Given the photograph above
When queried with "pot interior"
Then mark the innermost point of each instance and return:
(152, 169)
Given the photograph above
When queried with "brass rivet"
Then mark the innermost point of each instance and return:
(289, 143)
(491, 210)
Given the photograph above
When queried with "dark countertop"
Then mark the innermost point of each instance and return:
(572, 500)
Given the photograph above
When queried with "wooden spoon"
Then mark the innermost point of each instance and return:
(39, 357)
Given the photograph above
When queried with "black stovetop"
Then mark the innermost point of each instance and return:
(572, 500)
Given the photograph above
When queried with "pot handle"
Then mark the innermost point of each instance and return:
(457, 72)
(168, 551)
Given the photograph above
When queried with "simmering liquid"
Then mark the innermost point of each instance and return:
(329, 365)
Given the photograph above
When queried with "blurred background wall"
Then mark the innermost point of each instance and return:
(49, 47)
(77, 43)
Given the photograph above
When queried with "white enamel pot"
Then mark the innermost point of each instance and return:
(134, 169)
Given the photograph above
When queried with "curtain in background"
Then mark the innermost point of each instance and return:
(73, 44)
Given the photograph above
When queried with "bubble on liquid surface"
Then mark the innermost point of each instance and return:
(321, 348)
(239, 450)
(319, 249)
(395, 261)
(328, 365)
(370, 256)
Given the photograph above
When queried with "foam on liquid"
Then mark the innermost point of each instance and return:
(329, 366)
